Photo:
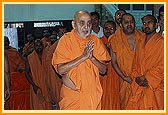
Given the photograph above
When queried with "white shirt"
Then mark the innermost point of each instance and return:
(99, 34)
(158, 29)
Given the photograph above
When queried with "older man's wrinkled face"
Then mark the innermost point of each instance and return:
(83, 25)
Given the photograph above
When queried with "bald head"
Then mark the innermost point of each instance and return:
(80, 13)
(82, 23)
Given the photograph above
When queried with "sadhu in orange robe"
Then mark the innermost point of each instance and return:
(124, 57)
(7, 82)
(20, 92)
(46, 42)
(110, 85)
(40, 78)
(16, 61)
(27, 49)
(149, 61)
(55, 81)
(20, 88)
(85, 76)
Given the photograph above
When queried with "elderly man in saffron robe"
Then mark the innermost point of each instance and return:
(78, 58)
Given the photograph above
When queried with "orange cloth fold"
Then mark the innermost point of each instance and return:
(46, 42)
(110, 85)
(40, 78)
(27, 48)
(16, 61)
(149, 61)
(124, 57)
(55, 81)
(20, 92)
(85, 76)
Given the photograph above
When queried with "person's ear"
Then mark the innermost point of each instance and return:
(73, 24)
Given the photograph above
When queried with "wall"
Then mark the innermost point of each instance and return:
(42, 12)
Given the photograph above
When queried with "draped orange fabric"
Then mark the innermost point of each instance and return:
(20, 92)
(85, 76)
(16, 61)
(40, 78)
(28, 47)
(125, 57)
(6, 81)
(110, 85)
(149, 61)
(46, 41)
(54, 81)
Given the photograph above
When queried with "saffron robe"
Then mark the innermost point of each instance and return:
(16, 61)
(46, 42)
(85, 76)
(27, 49)
(55, 82)
(20, 94)
(149, 61)
(40, 78)
(124, 57)
(110, 85)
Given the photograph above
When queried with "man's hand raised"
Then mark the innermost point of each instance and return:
(88, 52)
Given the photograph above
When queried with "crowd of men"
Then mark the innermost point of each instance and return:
(114, 67)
